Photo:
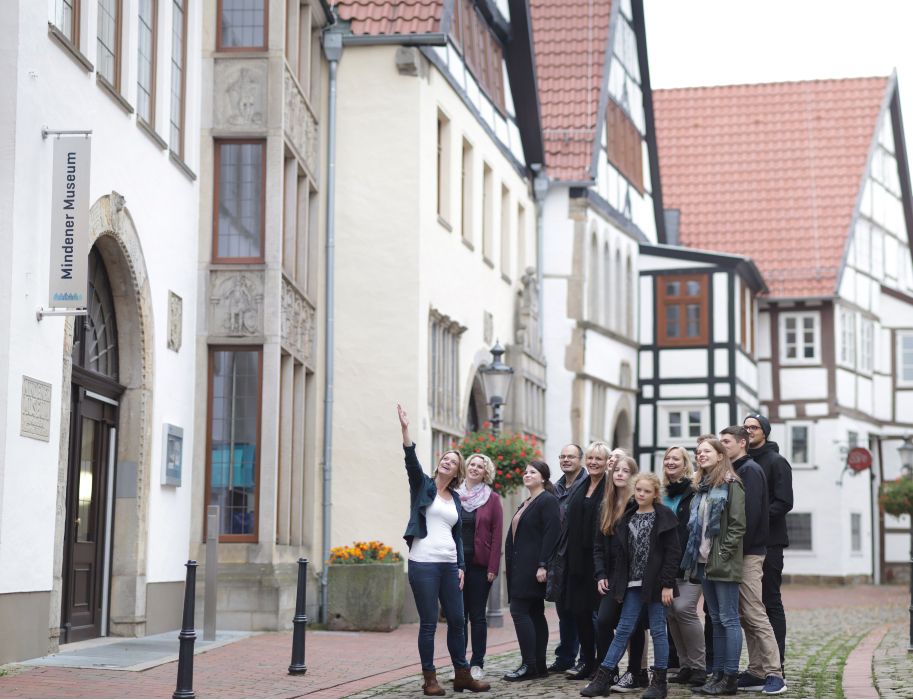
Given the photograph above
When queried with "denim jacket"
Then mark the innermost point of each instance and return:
(422, 491)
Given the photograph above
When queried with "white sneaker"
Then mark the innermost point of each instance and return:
(477, 672)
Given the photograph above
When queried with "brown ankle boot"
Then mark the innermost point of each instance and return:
(463, 680)
(431, 686)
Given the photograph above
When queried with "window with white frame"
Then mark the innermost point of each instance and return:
(855, 532)
(905, 358)
(683, 423)
(847, 337)
(800, 447)
(866, 344)
(799, 531)
(444, 381)
(800, 337)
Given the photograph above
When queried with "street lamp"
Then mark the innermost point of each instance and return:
(496, 378)
(906, 469)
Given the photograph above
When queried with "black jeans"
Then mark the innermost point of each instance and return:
(606, 622)
(475, 598)
(770, 594)
(532, 629)
(432, 581)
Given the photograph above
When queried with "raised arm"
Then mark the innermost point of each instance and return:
(404, 424)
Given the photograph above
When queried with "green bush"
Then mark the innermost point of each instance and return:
(509, 452)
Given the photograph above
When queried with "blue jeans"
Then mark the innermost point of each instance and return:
(630, 613)
(431, 582)
(722, 599)
(569, 645)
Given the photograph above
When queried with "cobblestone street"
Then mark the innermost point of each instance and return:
(837, 636)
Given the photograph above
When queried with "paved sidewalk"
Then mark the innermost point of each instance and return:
(893, 664)
(825, 624)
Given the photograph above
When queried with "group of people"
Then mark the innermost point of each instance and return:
(618, 551)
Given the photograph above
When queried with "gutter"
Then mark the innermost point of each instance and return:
(332, 49)
(540, 190)
(429, 39)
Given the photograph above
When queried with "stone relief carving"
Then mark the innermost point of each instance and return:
(527, 335)
(236, 303)
(240, 92)
(300, 123)
(298, 323)
(175, 320)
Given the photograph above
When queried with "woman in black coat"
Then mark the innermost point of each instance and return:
(579, 594)
(531, 541)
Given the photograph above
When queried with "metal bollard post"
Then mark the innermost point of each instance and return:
(187, 637)
(211, 574)
(300, 621)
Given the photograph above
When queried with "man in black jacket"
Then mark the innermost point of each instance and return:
(763, 672)
(571, 462)
(780, 494)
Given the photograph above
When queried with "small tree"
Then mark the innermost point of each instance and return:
(509, 452)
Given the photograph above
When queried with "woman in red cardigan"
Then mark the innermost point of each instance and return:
(482, 522)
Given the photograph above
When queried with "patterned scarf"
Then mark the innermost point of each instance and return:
(472, 499)
(717, 498)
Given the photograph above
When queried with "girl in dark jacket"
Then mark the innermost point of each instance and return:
(436, 563)
(531, 541)
(482, 521)
(684, 623)
(645, 558)
(579, 594)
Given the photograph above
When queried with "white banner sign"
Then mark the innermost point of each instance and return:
(70, 223)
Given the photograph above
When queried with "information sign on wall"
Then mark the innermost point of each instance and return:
(69, 223)
(35, 421)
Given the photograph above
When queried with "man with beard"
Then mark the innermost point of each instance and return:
(780, 494)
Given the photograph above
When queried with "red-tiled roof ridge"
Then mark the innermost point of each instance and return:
(773, 170)
(570, 38)
(380, 17)
(769, 83)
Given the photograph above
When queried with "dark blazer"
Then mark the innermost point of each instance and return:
(757, 521)
(779, 489)
(534, 547)
(422, 491)
(662, 564)
(683, 513)
(489, 528)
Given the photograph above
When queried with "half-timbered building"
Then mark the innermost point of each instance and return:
(811, 180)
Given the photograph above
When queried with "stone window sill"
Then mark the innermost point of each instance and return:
(70, 48)
(148, 129)
(113, 94)
(182, 166)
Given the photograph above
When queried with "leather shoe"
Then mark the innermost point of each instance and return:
(557, 667)
(524, 673)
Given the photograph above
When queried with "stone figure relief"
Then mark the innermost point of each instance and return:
(237, 303)
(300, 123)
(175, 321)
(297, 323)
(527, 335)
(240, 93)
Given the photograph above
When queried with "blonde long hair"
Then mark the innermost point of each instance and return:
(688, 473)
(614, 499)
(721, 472)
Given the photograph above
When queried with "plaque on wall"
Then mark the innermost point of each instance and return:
(172, 455)
(35, 411)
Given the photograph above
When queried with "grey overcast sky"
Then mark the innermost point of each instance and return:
(728, 42)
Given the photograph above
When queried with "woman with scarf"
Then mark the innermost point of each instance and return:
(530, 547)
(436, 566)
(713, 555)
(684, 624)
(481, 521)
(580, 596)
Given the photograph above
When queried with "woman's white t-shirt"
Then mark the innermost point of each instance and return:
(438, 544)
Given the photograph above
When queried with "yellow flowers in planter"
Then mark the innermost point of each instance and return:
(373, 552)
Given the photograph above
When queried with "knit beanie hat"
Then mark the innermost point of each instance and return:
(765, 424)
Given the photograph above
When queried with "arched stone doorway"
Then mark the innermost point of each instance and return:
(106, 403)
(623, 432)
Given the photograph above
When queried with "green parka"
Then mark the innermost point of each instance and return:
(725, 560)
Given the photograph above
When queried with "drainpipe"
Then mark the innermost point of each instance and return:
(332, 49)
(540, 190)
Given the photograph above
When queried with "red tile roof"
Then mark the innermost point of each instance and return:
(769, 171)
(570, 38)
(375, 17)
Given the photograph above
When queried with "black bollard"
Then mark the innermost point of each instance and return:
(300, 620)
(187, 637)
